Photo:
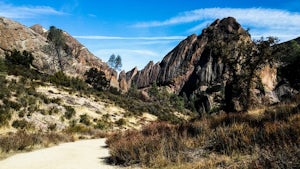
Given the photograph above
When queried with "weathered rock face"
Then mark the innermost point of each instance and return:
(210, 67)
(123, 82)
(148, 75)
(76, 58)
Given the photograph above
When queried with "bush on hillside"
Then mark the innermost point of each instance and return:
(97, 79)
(19, 58)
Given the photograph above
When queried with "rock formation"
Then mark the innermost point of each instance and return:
(218, 68)
(76, 57)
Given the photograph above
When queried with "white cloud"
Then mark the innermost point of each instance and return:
(261, 16)
(281, 23)
(20, 12)
(131, 38)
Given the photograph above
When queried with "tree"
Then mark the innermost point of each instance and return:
(257, 55)
(19, 58)
(111, 60)
(153, 91)
(118, 63)
(115, 62)
(97, 79)
(57, 41)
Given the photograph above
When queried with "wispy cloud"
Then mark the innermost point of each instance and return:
(261, 16)
(281, 22)
(21, 12)
(127, 52)
(131, 38)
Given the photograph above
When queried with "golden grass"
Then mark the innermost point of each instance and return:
(248, 140)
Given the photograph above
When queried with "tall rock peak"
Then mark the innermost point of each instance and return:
(195, 67)
(178, 65)
(226, 25)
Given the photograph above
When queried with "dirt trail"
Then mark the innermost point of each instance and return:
(86, 154)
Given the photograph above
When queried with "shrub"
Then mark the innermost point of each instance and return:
(97, 79)
(100, 124)
(69, 112)
(121, 122)
(5, 116)
(11, 104)
(84, 119)
(21, 124)
(156, 145)
(233, 136)
(23, 140)
(19, 58)
(3, 67)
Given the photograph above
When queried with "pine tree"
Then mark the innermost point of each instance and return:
(115, 62)
(118, 63)
(57, 40)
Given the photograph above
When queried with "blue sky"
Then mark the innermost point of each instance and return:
(144, 30)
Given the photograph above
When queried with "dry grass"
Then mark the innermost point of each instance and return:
(25, 141)
(270, 140)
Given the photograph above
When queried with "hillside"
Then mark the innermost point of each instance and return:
(77, 58)
(42, 104)
(217, 100)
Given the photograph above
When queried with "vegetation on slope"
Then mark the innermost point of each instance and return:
(270, 139)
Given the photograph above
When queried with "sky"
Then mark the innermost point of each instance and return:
(144, 30)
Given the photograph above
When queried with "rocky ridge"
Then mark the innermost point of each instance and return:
(77, 58)
(206, 68)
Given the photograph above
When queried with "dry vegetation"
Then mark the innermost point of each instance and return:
(268, 140)
(25, 141)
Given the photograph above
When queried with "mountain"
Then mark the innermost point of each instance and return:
(220, 69)
(77, 58)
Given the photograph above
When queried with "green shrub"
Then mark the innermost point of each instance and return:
(5, 116)
(21, 124)
(121, 122)
(85, 119)
(69, 112)
(3, 67)
(53, 110)
(19, 58)
(97, 79)
(11, 104)
(100, 124)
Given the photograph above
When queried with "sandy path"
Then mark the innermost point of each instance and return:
(86, 154)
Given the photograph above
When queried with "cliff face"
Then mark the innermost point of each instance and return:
(76, 58)
(217, 68)
(192, 54)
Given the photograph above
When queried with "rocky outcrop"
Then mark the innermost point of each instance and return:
(76, 57)
(148, 75)
(216, 69)
(122, 81)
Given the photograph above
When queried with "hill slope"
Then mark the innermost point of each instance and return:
(77, 58)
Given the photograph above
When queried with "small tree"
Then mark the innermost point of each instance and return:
(118, 63)
(111, 60)
(115, 62)
(97, 79)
